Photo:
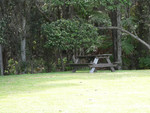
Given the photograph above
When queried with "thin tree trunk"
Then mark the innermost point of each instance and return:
(23, 50)
(23, 44)
(149, 36)
(1, 61)
(119, 43)
(1, 52)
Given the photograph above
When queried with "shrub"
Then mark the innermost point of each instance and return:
(69, 35)
(144, 62)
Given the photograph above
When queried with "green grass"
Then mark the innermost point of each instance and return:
(82, 92)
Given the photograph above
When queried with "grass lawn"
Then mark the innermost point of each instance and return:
(82, 92)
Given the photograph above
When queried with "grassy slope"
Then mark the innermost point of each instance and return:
(103, 92)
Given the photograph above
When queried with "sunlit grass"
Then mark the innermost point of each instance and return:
(82, 92)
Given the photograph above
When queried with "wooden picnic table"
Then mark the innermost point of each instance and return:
(94, 62)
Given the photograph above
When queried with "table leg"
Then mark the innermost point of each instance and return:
(94, 62)
(109, 62)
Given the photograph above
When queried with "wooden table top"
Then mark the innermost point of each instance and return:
(93, 56)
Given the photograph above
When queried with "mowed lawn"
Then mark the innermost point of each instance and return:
(81, 92)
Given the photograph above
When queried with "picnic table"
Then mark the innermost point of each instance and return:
(94, 61)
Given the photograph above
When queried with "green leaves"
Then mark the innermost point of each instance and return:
(127, 46)
(100, 19)
(144, 62)
(113, 4)
(67, 35)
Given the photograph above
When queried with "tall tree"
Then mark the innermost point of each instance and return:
(115, 16)
(119, 43)
(24, 14)
(1, 35)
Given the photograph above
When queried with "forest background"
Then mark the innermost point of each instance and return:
(44, 35)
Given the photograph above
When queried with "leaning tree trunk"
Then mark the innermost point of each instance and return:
(129, 33)
(1, 60)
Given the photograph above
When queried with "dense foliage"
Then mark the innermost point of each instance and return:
(49, 32)
(70, 35)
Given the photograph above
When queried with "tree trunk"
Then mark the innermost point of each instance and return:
(1, 61)
(113, 16)
(116, 35)
(149, 36)
(23, 50)
(23, 44)
(119, 44)
(1, 52)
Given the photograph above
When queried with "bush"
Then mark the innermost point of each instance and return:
(12, 67)
(69, 35)
(144, 62)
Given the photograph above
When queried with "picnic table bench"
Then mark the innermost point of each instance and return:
(94, 63)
